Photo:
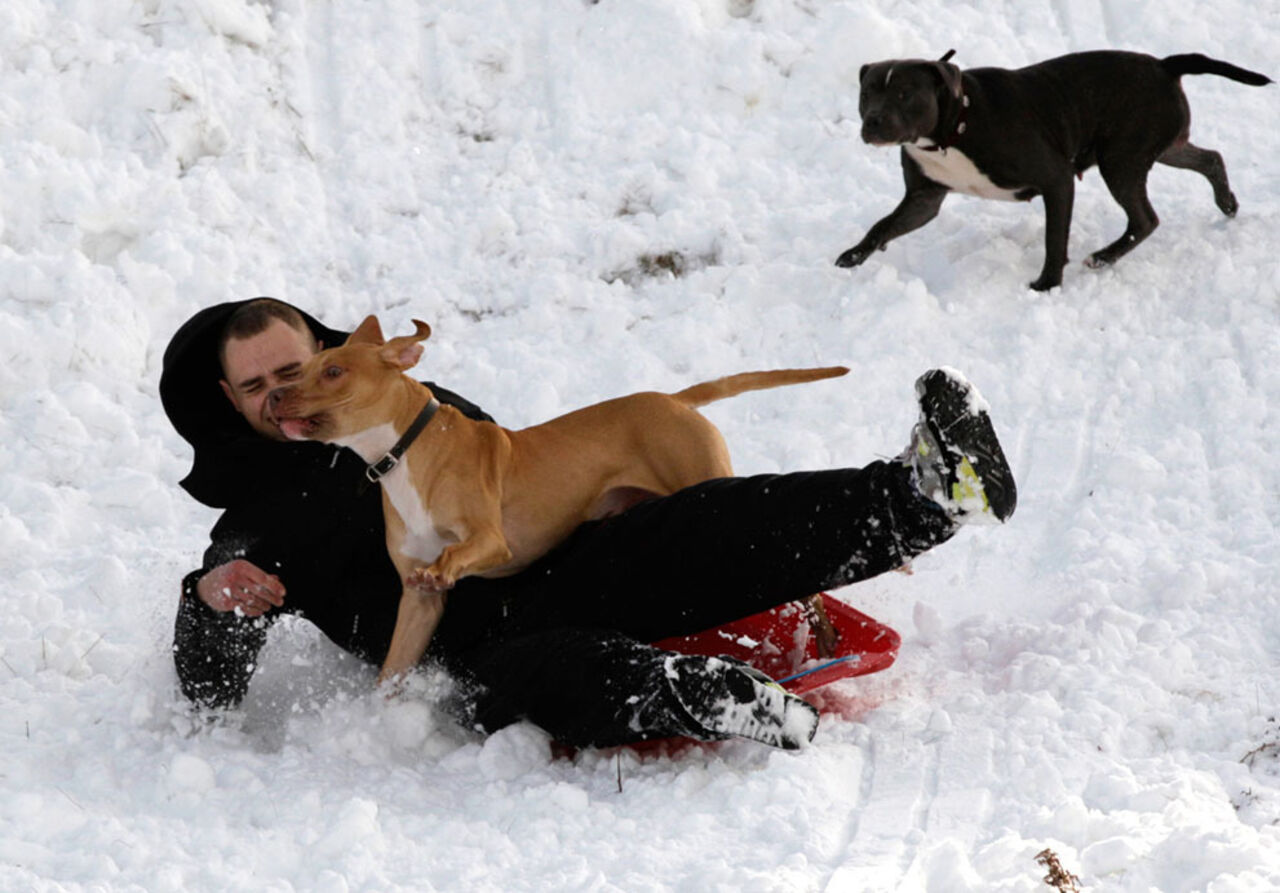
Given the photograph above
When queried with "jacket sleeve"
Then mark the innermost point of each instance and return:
(214, 652)
(326, 543)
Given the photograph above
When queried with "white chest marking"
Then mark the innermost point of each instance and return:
(421, 540)
(954, 169)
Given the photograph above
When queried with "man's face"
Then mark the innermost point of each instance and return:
(255, 365)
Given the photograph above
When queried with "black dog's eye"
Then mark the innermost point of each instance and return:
(902, 95)
(332, 371)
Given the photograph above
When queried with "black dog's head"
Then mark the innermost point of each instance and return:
(900, 99)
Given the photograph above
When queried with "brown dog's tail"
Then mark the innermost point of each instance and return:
(1195, 63)
(731, 385)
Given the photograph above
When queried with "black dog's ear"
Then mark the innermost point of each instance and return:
(862, 73)
(950, 76)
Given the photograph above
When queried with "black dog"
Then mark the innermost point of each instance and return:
(997, 133)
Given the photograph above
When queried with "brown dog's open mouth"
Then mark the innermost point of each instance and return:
(301, 428)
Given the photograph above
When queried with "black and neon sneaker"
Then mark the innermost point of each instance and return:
(727, 698)
(954, 453)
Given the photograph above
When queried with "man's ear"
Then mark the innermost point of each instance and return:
(226, 389)
(368, 332)
(404, 351)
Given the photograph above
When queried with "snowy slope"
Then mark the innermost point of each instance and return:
(1099, 677)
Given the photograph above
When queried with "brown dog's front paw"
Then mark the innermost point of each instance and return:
(428, 580)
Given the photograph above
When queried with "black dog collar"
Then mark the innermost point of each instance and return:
(961, 125)
(378, 469)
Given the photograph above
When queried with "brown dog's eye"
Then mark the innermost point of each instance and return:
(332, 371)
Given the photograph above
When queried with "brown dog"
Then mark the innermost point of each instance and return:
(462, 497)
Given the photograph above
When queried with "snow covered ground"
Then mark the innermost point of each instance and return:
(589, 199)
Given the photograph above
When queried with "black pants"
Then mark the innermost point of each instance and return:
(564, 643)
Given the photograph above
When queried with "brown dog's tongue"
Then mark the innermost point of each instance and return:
(296, 429)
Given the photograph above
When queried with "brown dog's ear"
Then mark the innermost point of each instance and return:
(368, 332)
(950, 75)
(404, 351)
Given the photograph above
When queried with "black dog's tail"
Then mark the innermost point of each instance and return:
(1195, 63)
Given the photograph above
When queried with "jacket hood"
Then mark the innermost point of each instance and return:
(232, 461)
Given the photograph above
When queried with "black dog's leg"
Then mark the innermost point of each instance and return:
(1058, 202)
(1127, 182)
(918, 207)
(1208, 164)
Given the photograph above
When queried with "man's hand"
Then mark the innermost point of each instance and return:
(241, 585)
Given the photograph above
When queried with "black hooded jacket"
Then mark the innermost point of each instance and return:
(298, 510)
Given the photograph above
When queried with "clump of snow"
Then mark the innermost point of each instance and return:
(587, 199)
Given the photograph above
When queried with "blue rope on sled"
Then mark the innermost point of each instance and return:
(831, 663)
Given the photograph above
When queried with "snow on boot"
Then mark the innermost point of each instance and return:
(955, 455)
(727, 698)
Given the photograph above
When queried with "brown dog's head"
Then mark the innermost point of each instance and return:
(342, 391)
(900, 100)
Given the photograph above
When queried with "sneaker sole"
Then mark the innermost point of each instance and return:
(958, 419)
(751, 705)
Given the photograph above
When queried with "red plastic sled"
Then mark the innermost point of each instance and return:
(779, 642)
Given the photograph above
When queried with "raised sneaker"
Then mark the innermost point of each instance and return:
(728, 698)
(955, 454)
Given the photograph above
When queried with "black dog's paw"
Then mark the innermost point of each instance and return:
(1228, 205)
(1046, 282)
(855, 255)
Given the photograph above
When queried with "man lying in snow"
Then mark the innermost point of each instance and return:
(562, 643)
